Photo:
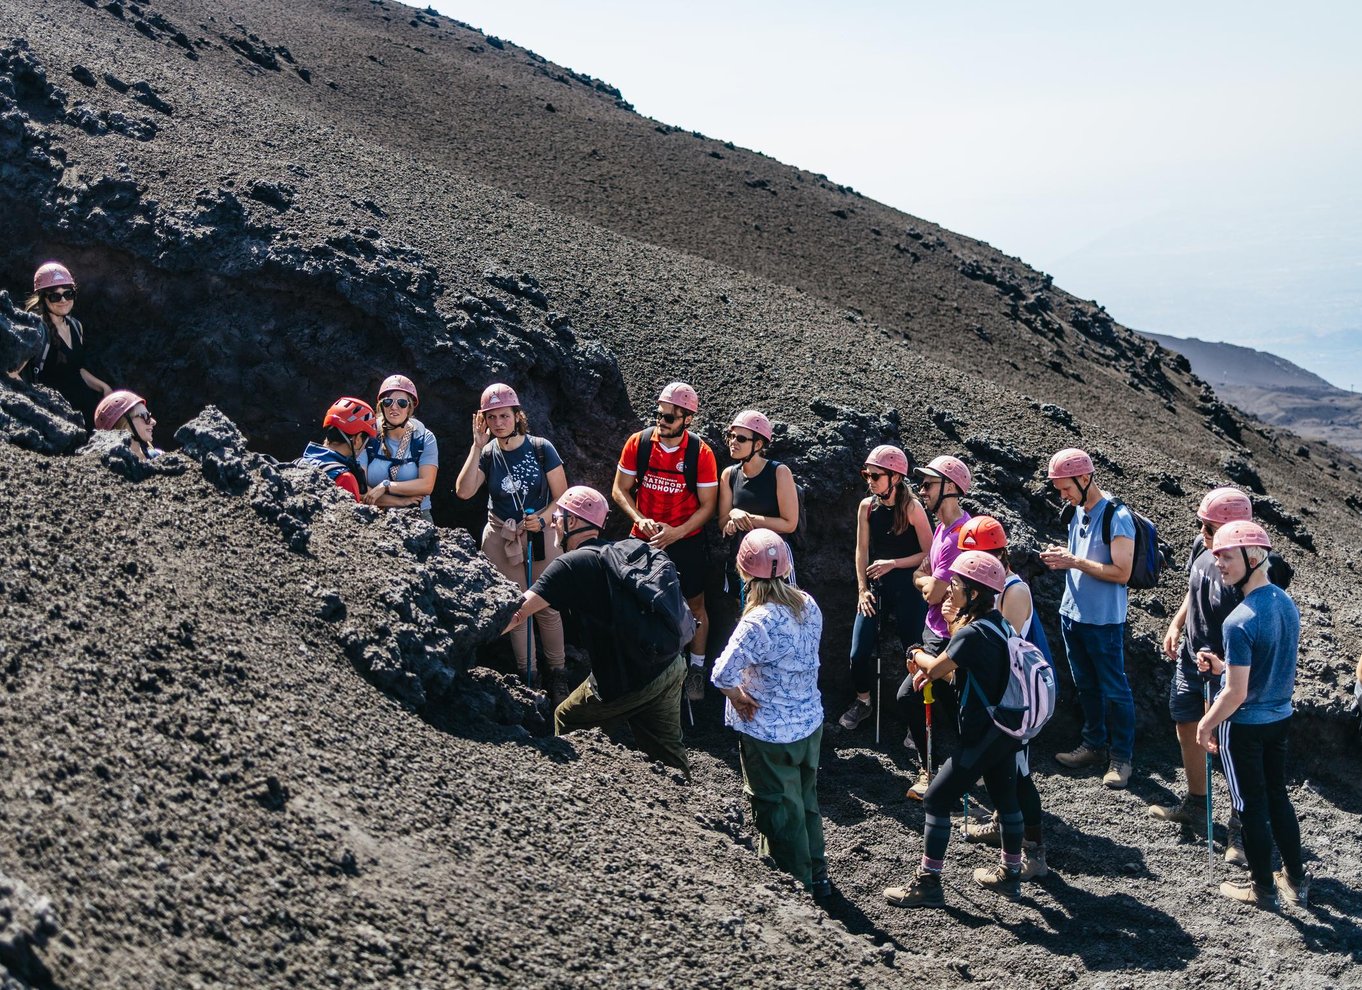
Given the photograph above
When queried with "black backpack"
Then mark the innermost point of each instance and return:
(799, 537)
(1148, 562)
(650, 618)
(690, 462)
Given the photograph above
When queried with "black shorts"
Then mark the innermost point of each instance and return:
(691, 562)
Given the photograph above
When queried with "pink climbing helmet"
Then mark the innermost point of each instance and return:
(50, 276)
(585, 503)
(399, 383)
(890, 458)
(1070, 463)
(750, 419)
(953, 469)
(496, 396)
(763, 553)
(981, 567)
(1240, 533)
(114, 406)
(1225, 505)
(682, 396)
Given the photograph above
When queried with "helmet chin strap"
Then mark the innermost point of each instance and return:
(1083, 490)
(1248, 569)
(943, 495)
(888, 490)
(754, 453)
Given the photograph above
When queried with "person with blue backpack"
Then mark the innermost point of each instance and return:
(404, 457)
(347, 427)
(979, 655)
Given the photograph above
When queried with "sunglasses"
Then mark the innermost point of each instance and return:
(738, 437)
(1083, 526)
(388, 402)
(669, 417)
(873, 475)
(59, 295)
(144, 416)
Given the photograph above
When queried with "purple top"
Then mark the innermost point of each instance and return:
(945, 548)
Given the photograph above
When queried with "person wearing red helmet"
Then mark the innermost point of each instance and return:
(404, 458)
(61, 363)
(754, 492)
(975, 652)
(127, 411)
(667, 483)
(768, 671)
(525, 477)
(892, 533)
(348, 427)
(1092, 615)
(1249, 721)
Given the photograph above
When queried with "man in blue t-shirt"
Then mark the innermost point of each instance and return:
(1092, 614)
(1247, 725)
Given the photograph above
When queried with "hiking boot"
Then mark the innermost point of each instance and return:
(1117, 775)
(559, 687)
(924, 891)
(1234, 845)
(999, 879)
(1083, 756)
(1295, 893)
(821, 889)
(855, 715)
(1248, 892)
(987, 833)
(695, 683)
(1190, 811)
(1033, 861)
(919, 789)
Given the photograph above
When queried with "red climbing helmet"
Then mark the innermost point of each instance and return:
(952, 469)
(1070, 463)
(983, 568)
(498, 396)
(585, 503)
(114, 406)
(1225, 505)
(399, 383)
(750, 419)
(982, 533)
(681, 395)
(890, 458)
(351, 416)
(1240, 533)
(763, 553)
(51, 275)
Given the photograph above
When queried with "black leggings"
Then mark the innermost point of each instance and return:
(898, 597)
(945, 705)
(995, 759)
(1254, 759)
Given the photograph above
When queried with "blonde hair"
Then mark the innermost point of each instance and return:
(773, 591)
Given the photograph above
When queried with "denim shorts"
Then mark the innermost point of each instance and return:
(1186, 703)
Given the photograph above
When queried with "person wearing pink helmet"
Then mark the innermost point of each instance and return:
(348, 427)
(525, 477)
(404, 458)
(667, 483)
(977, 654)
(127, 411)
(1198, 626)
(623, 686)
(61, 365)
(755, 492)
(891, 534)
(1249, 721)
(768, 671)
(1092, 615)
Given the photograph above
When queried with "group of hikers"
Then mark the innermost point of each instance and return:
(975, 649)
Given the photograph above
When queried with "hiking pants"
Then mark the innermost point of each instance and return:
(548, 623)
(653, 713)
(1098, 664)
(995, 759)
(903, 602)
(781, 781)
(1254, 758)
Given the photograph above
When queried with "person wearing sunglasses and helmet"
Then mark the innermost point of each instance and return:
(754, 492)
(60, 365)
(347, 428)
(404, 458)
(127, 411)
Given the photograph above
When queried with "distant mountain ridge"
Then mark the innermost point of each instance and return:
(1274, 390)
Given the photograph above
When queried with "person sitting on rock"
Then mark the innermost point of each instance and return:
(626, 684)
(61, 363)
(127, 411)
(754, 493)
(403, 458)
(348, 426)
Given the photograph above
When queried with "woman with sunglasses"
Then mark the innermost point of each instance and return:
(892, 535)
(754, 493)
(404, 458)
(525, 478)
(61, 363)
(127, 411)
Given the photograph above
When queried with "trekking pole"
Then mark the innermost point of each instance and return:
(1210, 827)
(879, 692)
(927, 713)
(529, 623)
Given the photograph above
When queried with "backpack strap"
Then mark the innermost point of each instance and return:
(1114, 505)
(690, 464)
(644, 455)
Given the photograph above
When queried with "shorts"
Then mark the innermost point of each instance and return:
(1186, 702)
(691, 562)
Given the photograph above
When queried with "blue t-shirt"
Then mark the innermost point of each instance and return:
(515, 481)
(1088, 599)
(1262, 633)
(384, 461)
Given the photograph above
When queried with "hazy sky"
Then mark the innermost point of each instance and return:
(1193, 166)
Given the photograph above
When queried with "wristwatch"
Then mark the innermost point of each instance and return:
(387, 486)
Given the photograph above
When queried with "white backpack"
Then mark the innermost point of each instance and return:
(1029, 698)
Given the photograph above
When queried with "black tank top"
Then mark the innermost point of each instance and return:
(883, 543)
(756, 495)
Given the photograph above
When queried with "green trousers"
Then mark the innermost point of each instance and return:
(653, 713)
(781, 780)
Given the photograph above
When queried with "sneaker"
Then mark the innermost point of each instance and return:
(919, 789)
(1234, 845)
(695, 683)
(1033, 861)
(559, 686)
(999, 879)
(855, 715)
(1247, 892)
(1190, 811)
(821, 889)
(924, 891)
(1117, 775)
(986, 833)
(1295, 894)
(1083, 756)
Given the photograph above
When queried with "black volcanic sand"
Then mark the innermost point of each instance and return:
(250, 733)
